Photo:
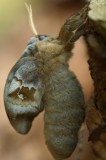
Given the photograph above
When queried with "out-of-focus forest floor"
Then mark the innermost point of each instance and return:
(14, 34)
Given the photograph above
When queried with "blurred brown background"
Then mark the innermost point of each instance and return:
(15, 31)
